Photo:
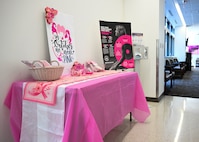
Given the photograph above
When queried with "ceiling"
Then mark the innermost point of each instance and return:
(189, 8)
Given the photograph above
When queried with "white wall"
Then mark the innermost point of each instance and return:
(161, 49)
(180, 48)
(182, 33)
(23, 36)
(193, 34)
(145, 18)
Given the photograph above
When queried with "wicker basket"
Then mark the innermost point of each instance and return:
(48, 73)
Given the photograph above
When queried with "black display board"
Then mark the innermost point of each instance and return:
(116, 41)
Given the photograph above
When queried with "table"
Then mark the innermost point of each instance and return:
(92, 107)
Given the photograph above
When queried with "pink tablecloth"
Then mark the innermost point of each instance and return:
(93, 107)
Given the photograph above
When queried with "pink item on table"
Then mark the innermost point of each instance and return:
(94, 66)
(45, 92)
(77, 69)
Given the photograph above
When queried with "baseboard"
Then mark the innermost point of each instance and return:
(150, 99)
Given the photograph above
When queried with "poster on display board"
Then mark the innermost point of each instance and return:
(116, 41)
(60, 34)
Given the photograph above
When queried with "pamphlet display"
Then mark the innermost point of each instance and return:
(116, 43)
(137, 38)
(140, 51)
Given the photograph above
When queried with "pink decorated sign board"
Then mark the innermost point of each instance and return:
(60, 34)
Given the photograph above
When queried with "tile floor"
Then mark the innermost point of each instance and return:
(173, 119)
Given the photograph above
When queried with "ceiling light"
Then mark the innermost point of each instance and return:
(180, 13)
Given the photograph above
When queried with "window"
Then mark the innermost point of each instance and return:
(169, 38)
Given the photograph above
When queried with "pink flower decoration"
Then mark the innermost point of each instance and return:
(77, 69)
(50, 14)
